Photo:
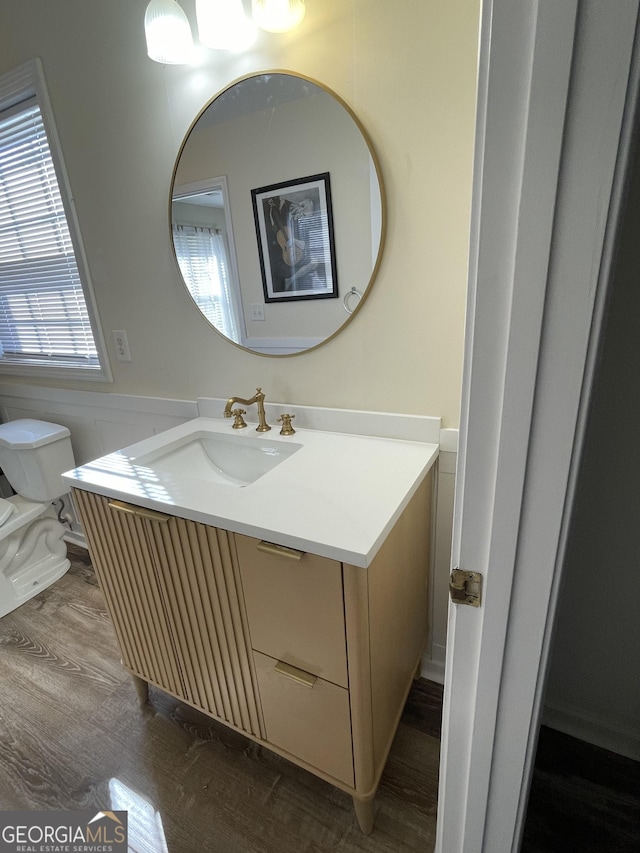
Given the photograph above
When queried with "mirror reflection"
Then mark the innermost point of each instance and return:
(277, 214)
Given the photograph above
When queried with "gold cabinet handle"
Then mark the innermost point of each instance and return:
(279, 551)
(141, 512)
(295, 674)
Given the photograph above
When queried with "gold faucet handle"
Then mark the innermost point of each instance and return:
(239, 420)
(287, 429)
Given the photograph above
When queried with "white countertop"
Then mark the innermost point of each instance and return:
(338, 496)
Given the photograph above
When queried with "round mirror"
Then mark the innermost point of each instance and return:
(277, 215)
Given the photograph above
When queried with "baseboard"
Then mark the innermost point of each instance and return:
(598, 732)
(432, 669)
(74, 537)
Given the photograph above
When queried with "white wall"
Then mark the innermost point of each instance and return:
(407, 71)
(592, 690)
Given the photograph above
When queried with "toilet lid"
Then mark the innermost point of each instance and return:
(6, 509)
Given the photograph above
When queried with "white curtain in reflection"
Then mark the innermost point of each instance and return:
(202, 259)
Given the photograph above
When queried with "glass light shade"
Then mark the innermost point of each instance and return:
(278, 16)
(168, 33)
(223, 25)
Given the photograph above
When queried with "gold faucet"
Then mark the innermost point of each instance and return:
(258, 399)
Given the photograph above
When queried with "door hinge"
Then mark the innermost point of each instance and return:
(465, 587)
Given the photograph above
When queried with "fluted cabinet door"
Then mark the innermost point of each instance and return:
(198, 573)
(172, 590)
(128, 578)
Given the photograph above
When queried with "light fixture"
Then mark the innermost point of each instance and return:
(277, 16)
(168, 33)
(223, 25)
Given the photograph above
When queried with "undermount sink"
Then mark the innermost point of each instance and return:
(236, 460)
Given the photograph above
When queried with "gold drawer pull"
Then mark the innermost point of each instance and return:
(295, 674)
(141, 512)
(280, 551)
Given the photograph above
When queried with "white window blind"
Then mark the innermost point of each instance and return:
(202, 259)
(43, 313)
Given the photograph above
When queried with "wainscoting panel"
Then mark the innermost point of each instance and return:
(99, 423)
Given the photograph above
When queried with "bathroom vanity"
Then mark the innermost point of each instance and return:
(290, 604)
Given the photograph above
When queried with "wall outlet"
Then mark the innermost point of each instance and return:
(257, 311)
(122, 345)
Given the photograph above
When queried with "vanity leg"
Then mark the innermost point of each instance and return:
(142, 689)
(418, 673)
(364, 813)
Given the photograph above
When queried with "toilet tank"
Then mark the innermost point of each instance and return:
(34, 455)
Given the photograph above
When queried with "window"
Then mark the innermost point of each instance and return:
(202, 259)
(45, 321)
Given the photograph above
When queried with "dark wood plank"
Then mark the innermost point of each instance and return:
(423, 709)
(583, 799)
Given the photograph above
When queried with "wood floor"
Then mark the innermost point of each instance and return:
(583, 799)
(72, 735)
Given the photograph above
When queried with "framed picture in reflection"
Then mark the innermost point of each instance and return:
(294, 230)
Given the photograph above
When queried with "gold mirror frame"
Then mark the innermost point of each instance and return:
(347, 290)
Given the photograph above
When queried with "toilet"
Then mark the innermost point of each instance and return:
(33, 456)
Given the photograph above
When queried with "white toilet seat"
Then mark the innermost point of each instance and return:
(6, 509)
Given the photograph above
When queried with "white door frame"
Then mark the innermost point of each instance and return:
(547, 185)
